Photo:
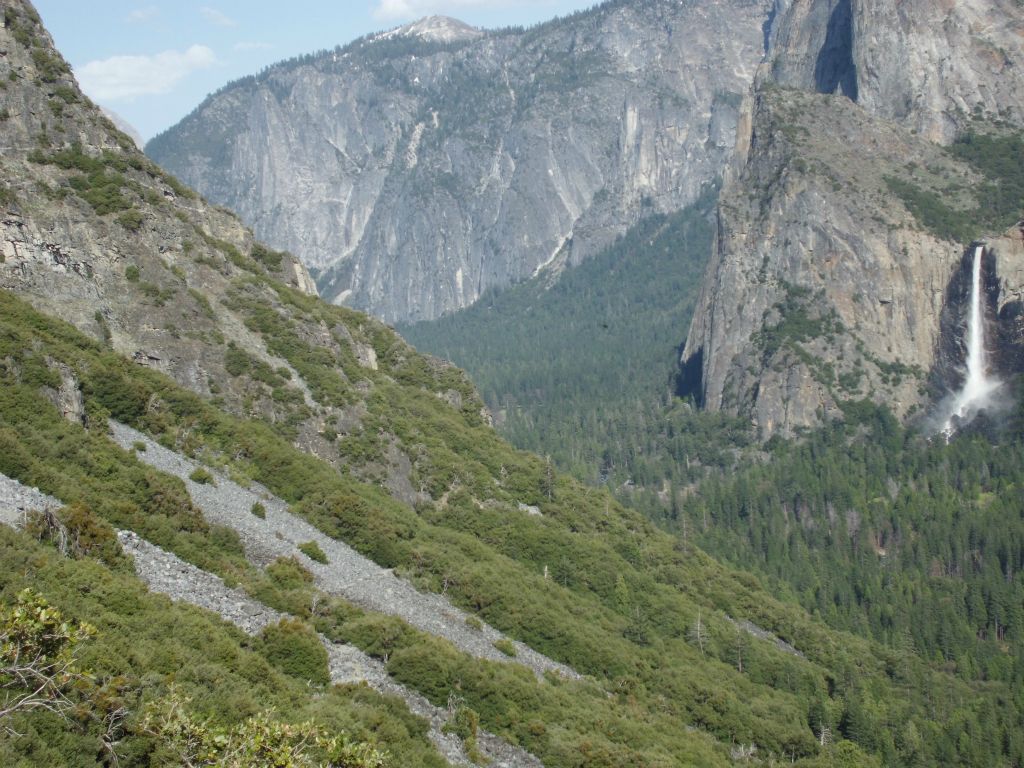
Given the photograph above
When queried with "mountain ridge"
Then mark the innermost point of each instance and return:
(533, 147)
(212, 349)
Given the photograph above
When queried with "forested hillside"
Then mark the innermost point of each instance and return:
(882, 531)
(583, 367)
(127, 298)
(186, 329)
(650, 618)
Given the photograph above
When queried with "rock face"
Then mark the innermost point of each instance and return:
(128, 255)
(928, 65)
(822, 287)
(819, 290)
(1006, 301)
(416, 169)
(93, 232)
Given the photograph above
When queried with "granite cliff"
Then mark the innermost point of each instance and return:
(415, 169)
(836, 259)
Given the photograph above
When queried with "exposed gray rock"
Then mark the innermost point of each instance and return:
(1006, 302)
(416, 169)
(167, 574)
(124, 126)
(808, 229)
(928, 65)
(67, 398)
(149, 286)
(17, 500)
(346, 573)
(435, 29)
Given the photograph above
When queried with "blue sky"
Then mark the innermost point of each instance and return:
(153, 61)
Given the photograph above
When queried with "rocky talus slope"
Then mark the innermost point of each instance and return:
(167, 574)
(346, 573)
(17, 501)
(415, 169)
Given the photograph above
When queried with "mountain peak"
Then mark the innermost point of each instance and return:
(436, 29)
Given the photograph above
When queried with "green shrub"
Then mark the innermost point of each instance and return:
(259, 510)
(465, 723)
(506, 646)
(271, 259)
(289, 573)
(50, 65)
(295, 649)
(260, 740)
(77, 532)
(312, 550)
(131, 219)
(474, 623)
(37, 656)
(236, 361)
(138, 445)
(131, 273)
(102, 191)
(66, 93)
(202, 476)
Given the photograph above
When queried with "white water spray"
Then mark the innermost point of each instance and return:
(978, 386)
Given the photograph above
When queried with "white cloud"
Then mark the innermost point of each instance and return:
(219, 18)
(390, 10)
(122, 78)
(144, 14)
(252, 45)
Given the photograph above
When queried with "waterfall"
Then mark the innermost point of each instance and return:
(978, 385)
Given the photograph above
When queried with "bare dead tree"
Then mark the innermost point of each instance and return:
(37, 658)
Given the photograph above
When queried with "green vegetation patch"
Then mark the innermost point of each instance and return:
(800, 320)
(589, 583)
(312, 550)
(999, 198)
(142, 658)
(582, 370)
(295, 648)
(202, 476)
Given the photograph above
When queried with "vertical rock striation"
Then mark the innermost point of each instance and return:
(415, 169)
(823, 288)
(927, 65)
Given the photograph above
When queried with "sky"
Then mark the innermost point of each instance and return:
(153, 61)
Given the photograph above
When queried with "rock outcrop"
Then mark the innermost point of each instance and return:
(823, 288)
(95, 233)
(415, 169)
(1007, 303)
(820, 289)
(167, 574)
(927, 65)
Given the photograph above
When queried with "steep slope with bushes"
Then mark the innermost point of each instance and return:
(388, 451)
